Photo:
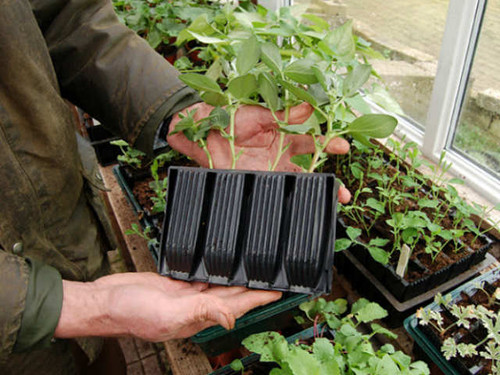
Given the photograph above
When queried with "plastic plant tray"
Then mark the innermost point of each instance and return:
(100, 139)
(266, 230)
(275, 316)
(412, 327)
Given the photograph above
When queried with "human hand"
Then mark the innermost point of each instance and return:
(256, 132)
(151, 307)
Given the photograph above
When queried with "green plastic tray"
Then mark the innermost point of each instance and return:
(273, 317)
(412, 327)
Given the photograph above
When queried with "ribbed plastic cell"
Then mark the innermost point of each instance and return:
(266, 230)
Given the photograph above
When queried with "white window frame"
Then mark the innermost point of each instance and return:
(461, 34)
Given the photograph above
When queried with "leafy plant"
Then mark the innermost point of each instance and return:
(159, 185)
(130, 155)
(146, 234)
(349, 352)
(465, 316)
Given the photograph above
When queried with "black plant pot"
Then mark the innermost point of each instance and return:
(266, 230)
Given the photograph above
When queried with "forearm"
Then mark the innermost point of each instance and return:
(84, 311)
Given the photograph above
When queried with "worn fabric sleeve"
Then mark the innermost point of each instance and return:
(109, 71)
(31, 295)
(42, 307)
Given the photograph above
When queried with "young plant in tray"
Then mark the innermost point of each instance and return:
(413, 214)
(130, 155)
(471, 316)
(349, 349)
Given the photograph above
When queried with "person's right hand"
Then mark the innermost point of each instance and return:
(151, 307)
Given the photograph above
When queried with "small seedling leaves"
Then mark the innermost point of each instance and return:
(311, 308)
(356, 78)
(215, 99)
(456, 181)
(268, 90)
(342, 244)
(380, 255)
(419, 368)
(373, 125)
(387, 348)
(299, 93)
(270, 55)
(377, 328)
(237, 365)
(370, 312)
(379, 242)
(304, 161)
(301, 71)
(376, 205)
(353, 233)
(428, 203)
(119, 142)
(248, 56)
(270, 345)
(154, 37)
(200, 82)
(243, 87)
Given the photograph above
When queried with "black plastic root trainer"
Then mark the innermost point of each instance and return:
(264, 230)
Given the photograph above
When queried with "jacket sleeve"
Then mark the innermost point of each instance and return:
(31, 294)
(109, 71)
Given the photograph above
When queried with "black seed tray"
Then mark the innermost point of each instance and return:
(404, 290)
(265, 230)
(100, 139)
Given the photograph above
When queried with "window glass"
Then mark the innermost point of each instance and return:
(408, 32)
(478, 132)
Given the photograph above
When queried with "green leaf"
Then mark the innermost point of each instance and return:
(376, 205)
(383, 331)
(302, 362)
(380, 255)
(268, 90)
(353, 233)
(387, 366)
(200, 82)
(215, 99)
(358, 305)
(380, 242)
(219, 117)
(301, 71)
(270, 345)
(356, 78)
(119, 142)
(359, 104)
(208, 39)
(304, 161)
(341, 41)
(323, 349)
(299, 128)
(237, 365)
(270, 55)
(248, 55)
(429, 203)
(215, 70)
(299, 93)
(243, 87)
(373, 125)
(371, 311)
(317, 21)
(342, 244)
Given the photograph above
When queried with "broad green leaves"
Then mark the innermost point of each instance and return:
(248, 56)
(200, 82)
(373, 125)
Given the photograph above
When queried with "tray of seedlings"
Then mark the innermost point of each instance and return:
(460, 331)
(409, 231)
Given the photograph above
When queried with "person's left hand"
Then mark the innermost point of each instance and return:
(256, 133)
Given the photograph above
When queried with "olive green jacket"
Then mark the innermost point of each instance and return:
(51, 52)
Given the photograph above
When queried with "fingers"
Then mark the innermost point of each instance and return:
(297, 114)
(344, 195)
(304, 144)
(206, 308)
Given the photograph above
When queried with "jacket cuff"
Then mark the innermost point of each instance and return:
(175, 103)
(42, 308)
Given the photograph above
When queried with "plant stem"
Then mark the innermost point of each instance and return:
(203, 145)
(232, 113)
